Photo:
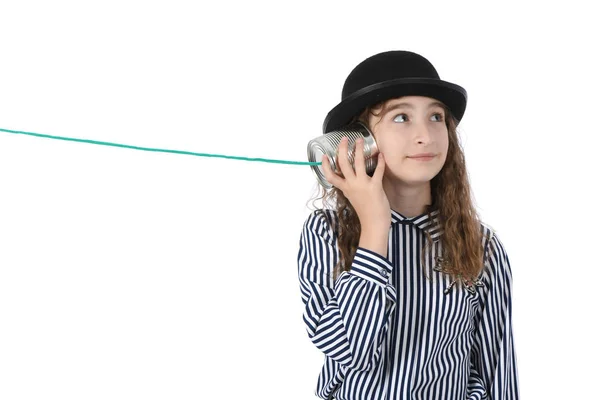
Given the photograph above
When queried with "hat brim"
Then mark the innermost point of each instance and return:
(452, 95)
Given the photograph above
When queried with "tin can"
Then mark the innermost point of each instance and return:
(328, 144)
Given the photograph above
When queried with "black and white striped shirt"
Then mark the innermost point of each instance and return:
(389, 332)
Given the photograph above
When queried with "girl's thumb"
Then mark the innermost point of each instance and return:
(380, 167)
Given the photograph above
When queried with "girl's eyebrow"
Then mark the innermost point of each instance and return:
(408, 105)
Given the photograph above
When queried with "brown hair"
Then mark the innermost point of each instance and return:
(451, 195)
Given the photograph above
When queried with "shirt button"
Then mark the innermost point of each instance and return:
(383, 272)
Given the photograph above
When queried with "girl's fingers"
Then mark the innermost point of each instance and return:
(380, 169)
(331, 176)
(342, 158)
(359, 158)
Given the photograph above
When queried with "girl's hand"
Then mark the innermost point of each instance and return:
(365, 193)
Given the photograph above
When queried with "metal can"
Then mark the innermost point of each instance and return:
(328, 144)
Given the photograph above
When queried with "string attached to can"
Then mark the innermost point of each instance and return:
(160, 150)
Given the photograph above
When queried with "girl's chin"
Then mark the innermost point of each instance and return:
(408, 179)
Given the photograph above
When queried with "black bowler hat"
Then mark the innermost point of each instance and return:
(388, 75)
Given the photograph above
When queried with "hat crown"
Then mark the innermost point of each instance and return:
(386, 66)
(388, 75)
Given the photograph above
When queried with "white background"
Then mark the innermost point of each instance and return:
(127, 274)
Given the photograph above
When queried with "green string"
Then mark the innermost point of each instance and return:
(162, 150)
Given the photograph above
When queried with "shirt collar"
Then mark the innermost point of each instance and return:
(423, 222)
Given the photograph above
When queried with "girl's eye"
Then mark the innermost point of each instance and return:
(399, 115)
(441, 116)
(404, 117)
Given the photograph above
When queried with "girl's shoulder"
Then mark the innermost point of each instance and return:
(495, 255)
(324, 221)
(487, 233)
(326, 215)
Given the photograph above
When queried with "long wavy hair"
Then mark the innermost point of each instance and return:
(462, 249)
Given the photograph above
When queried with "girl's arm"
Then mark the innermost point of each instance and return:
(493, 362)
(346, 319)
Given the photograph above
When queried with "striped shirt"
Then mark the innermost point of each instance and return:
(389, 332)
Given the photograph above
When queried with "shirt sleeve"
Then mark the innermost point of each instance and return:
(493, 363)
(346, 319)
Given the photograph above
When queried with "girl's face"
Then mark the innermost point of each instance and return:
(408, 126)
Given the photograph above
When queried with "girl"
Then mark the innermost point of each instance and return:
(406, 291)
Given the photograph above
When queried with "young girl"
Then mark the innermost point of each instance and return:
(406, 291)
